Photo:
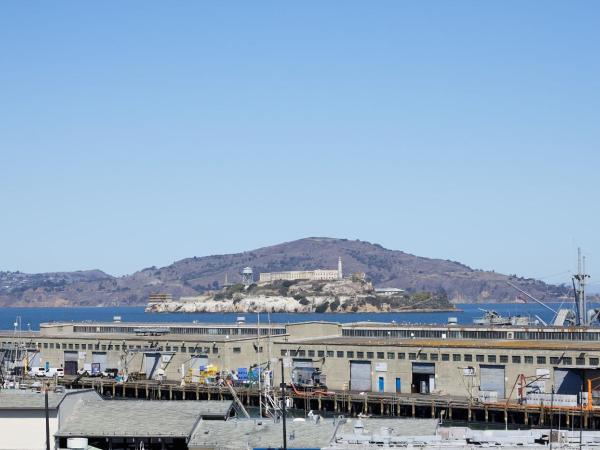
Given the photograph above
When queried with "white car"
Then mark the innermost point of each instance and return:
(53, 371)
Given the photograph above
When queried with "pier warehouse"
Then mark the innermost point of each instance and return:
(362, 357)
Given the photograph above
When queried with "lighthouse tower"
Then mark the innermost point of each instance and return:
(340, 273)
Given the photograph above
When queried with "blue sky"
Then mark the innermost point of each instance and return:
(137, 133)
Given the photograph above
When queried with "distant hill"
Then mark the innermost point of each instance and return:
(191, 276)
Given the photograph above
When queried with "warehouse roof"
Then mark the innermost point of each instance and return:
(448, 343)
(141, 418)
(255, 433)
(17, 399)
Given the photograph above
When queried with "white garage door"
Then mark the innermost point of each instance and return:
(360, 376)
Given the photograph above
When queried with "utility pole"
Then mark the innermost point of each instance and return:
(259, 369)
(551, 415)
(283, 407)
(47, 416)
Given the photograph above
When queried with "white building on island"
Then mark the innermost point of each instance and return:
(311, 275)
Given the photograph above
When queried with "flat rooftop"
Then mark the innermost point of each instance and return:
(445, 343)
(265, 433)
(26, 400)
(141, 418)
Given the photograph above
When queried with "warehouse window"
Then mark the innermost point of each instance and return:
(321, 353)
(503, 358)
(349, 354)
(340, 354)
(391, 355)
(433, 356)
(594, 361)
(301, 352)
(492, 358)
(360, 355)
(455, 357)
(516, 359)
(445, 357)
(423, 356)
(580, 361)
(311, 353)
(401, 355)
(235, 350)
(541, 360)
(45, 345)
(330, 353)
(480, 358)
(554, 359)
(468, 358)
(176, 349)
(528, 359)
(412, 356)
(380, 355)
(283, 352)
(567, 360)
(215, 350)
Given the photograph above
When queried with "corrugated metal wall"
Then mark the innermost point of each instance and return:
(492, 379)
(152, 363)
(100, 358)
(425, 368)
(567, 381)
(360, 375)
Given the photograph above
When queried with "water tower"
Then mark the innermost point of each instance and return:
(247, 276)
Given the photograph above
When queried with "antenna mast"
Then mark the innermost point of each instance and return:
(580, 279)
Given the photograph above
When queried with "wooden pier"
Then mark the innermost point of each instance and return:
(447, 408)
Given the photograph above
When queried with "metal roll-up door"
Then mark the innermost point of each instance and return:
(152, 364)
(34, 359)
(302, 370)
(492, 379)
(100, 359)
(567, 381)
(199, 362)
(360, 376)
(424, 368)
(302, 363)
(71, 364)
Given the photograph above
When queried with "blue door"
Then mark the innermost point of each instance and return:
(381, 384)
(398, 385)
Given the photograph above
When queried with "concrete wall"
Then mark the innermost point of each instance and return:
(315, 337)
(26, 430)
(450, 378)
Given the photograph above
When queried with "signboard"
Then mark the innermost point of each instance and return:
(469, 371)
(242, 374)
(543, 374)
(381, 367)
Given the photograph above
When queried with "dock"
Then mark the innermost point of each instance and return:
(348, 403)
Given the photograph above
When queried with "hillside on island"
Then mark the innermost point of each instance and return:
(351, 294)
(197, 275)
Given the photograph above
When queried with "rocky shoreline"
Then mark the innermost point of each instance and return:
(342, 296)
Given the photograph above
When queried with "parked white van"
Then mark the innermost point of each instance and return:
(37, 372)
(53, 371)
